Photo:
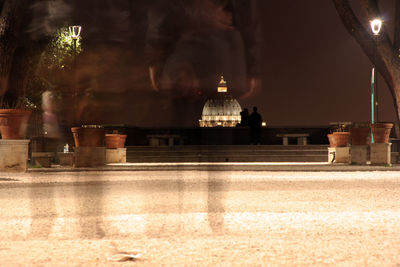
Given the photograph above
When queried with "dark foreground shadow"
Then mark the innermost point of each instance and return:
(89, 201)
(43, 211)
(215, 205)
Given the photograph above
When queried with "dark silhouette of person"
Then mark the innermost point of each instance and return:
(255, 127)
(244, 118)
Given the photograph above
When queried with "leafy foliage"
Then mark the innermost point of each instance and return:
(340, 127)
(19, 103)
(61, 50)
(56, 61)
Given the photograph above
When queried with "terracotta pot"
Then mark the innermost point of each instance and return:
(122, 140)
(115, 140)
(332, 141)
(88, 137)
(341, 138)
(381, 132)
(360, 136)
(13, 123)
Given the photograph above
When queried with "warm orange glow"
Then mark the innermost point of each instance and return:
(222, 87)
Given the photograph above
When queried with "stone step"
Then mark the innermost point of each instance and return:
(226, 147)
(227, 153)
(262, 153)
(238, 158)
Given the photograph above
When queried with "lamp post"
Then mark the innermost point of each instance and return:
(376, 26)
(75, 32)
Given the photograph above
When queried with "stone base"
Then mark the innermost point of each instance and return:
(90, 156)
(380, 154)
(339, 154)
(359, 155)
(117, 155)
(163, 139)
(14, 155)
(394, 157)
(42, 159)
(331, 154)
(66, 159)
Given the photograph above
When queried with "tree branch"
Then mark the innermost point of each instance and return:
(396, 41)
(359, 33)
(1, 5)
(385, 61)
(371, 8)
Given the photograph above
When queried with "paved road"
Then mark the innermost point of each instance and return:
(200, 218)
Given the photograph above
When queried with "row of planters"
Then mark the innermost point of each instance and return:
(360, 134)
(96, 136)
(14, 122)
(90, 143)
(94, 147)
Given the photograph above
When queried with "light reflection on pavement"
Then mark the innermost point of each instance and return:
(179, 218)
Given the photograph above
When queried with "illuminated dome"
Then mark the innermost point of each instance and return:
(223, 110)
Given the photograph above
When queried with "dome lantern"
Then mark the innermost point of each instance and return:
(222, 87)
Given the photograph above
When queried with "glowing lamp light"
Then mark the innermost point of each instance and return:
(264, 124)
(222, 87)
(376, 25)
(75, 31)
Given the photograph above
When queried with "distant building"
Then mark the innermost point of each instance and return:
(222, 110)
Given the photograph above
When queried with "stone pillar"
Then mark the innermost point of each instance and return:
(14, 155)
(154, 141)
(381, 153)
(331, 154)
(89, 156)
(285, 140)
(339, 154)
(359, 155)
(302, 141)
(394, 157)
(42, 159)
(117, 155)
(170, 141)
(66, 158)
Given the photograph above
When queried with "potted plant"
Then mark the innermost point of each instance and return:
(340, 135)
(14, 118)
(115, 140)
(89, 136)
(331, 138)
(360, 134)
(381, 132)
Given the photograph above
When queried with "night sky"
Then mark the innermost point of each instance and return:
(314, 71)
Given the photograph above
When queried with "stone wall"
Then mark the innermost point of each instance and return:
(13, 155)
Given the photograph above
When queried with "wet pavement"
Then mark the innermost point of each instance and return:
(200, 217)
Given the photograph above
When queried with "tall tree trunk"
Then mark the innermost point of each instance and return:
(11, 17)
(25, 62)
(396, 41)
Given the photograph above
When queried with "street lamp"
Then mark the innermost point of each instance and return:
(376, 26)
(75, 32)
